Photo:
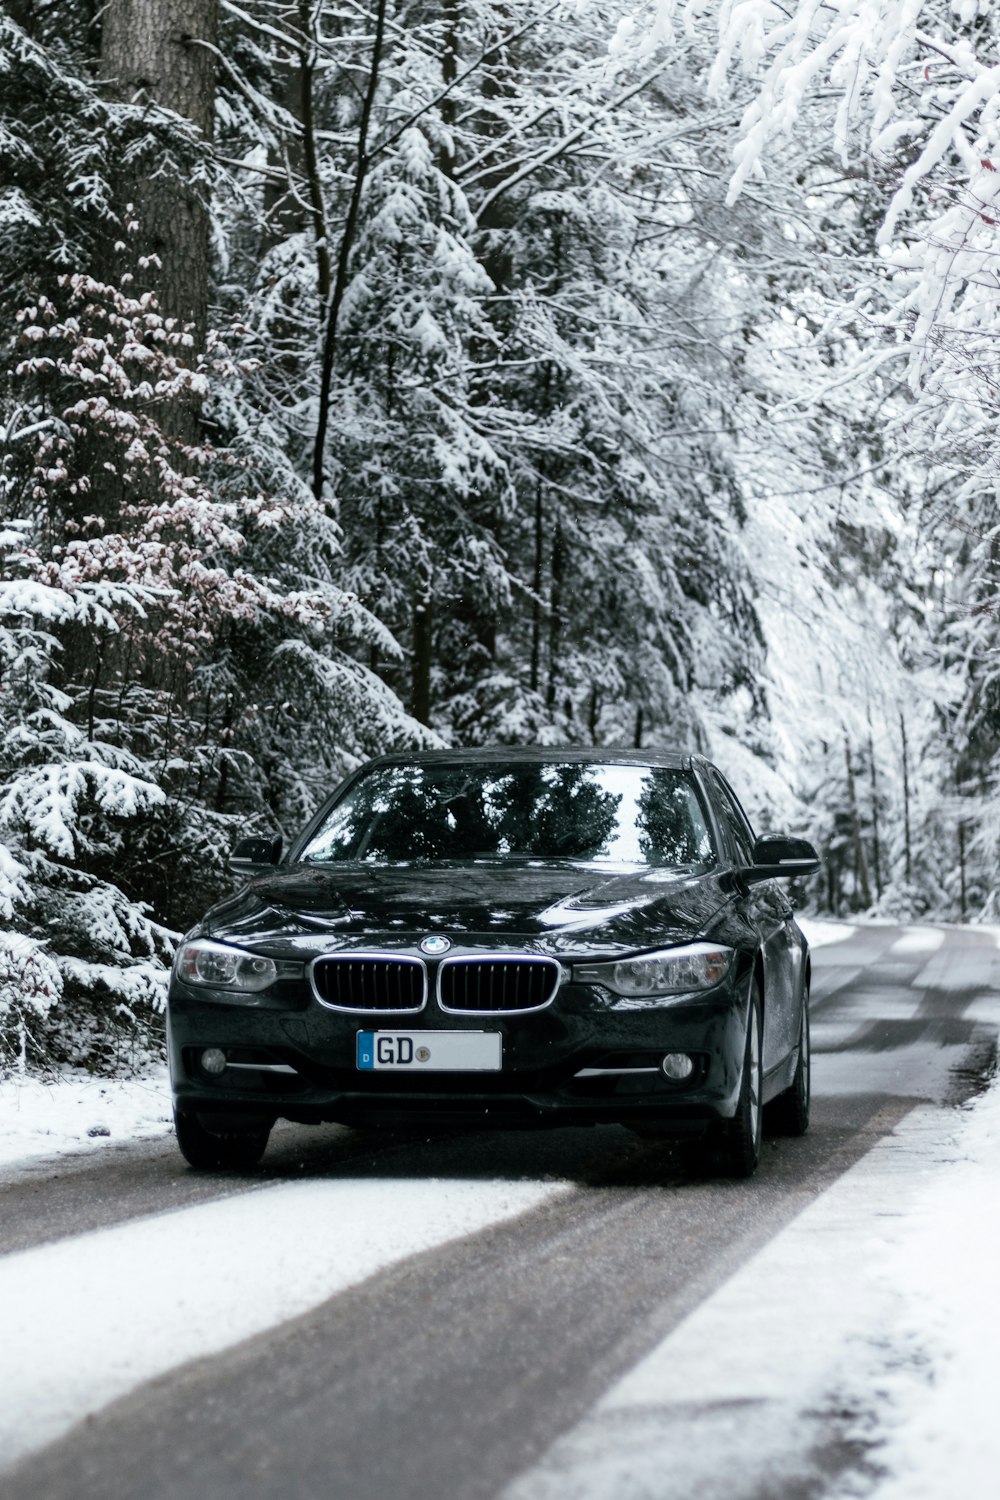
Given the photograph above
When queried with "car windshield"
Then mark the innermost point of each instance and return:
(606, 813)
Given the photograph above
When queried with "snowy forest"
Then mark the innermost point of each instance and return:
(403, 373)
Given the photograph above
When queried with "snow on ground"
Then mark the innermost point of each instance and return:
(819, 932)
(882, 1299)
(918, 940)
(934, 1369)
(871, 1320)
(75, 1111)
(87, 1319)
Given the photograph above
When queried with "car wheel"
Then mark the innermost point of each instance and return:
(740, 1145)
(232, 1150)
(789, 1113)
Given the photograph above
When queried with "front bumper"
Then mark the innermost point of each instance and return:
(585, 1059)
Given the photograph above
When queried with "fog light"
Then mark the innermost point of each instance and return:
(677, 1065)
(213, 1060)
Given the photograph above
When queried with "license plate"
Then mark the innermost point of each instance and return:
(430, 1051)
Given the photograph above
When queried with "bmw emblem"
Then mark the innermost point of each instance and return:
(435, 944)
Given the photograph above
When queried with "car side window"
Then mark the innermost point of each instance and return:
(735, 820)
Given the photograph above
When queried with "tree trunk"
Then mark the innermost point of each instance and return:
(162, 52)
(593, 713)
(449, 72)
(310, 156)
(555, 615)
(498, 220)
(293, 192)
(860, 863)
(876, 841)
(963, 889)
(338, 288)
(536, 589)
(906, 798)
(420, 692)
(284, 204)
(160, 55)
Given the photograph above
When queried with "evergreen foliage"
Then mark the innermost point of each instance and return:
(518, 417)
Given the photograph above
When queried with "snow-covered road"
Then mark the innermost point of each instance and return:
(87, 1319)
(829, 1345)
(828, 1327)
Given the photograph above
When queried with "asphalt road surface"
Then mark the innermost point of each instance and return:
(452, 1372)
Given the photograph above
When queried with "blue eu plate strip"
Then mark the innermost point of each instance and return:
(366, 1049)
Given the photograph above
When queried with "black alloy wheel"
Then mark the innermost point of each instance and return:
(231, 1151)
(789, 1113)
(741, 1140)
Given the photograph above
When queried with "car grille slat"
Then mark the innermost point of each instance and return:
(496, 986)
(371, 984)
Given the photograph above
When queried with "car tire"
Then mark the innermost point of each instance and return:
(788, 1114)
(740, 1144)
(229, 1151)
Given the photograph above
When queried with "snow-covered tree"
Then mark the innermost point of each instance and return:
(529, 377)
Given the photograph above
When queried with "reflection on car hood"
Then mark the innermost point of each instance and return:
(551, 907)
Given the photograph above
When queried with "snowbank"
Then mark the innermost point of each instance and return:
(934, 1376)
(77, 1112)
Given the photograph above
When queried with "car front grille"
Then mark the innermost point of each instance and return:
(484, 985)
(370, 983)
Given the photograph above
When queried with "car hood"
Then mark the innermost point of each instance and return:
(553, 907)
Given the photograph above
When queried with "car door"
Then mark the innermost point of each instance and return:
(770, 912)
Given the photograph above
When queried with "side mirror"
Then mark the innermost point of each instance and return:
(776, 857)
(255, 856)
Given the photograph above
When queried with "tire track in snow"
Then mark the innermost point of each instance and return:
(743, 1397)
(86, 1320)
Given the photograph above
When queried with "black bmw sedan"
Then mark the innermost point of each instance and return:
(502, 937)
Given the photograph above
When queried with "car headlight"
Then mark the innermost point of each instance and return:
(214, 964)
(699, 966)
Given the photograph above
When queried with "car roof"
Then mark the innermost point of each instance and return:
(541, 755)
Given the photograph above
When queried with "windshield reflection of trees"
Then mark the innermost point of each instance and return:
(670, 823)
(531, 812)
